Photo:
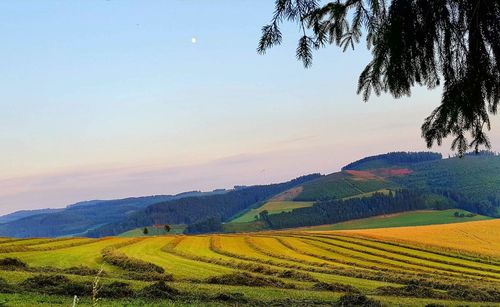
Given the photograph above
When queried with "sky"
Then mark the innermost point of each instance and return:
(103, 99)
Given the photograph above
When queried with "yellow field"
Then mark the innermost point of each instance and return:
(482, 237)
(292, 264)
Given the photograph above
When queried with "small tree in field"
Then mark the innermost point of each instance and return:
(145, 231)
(167, 228)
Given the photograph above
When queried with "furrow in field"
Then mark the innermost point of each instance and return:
(236, 247)
(301, 245)
(416, 252)
(25, 242)
(478, 239)
(429, 274)
(425, 265)
(198, 249)
(398, 277)
(21, 245)
(271, 247)
(287, 252)
(69, 257)
(150, 250)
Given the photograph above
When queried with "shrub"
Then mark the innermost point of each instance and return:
(231, 297)
(116, 290)
(335, 287)
(12, 263)
(150, 276)
(469, 294)
(82, 270)
(55, 284)
(296, 275)
(356, 300)
(246, 279)
(410, 290)
(119, 259)
(158, 290)
(5, 287)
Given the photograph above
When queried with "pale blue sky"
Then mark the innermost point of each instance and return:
(104, 99)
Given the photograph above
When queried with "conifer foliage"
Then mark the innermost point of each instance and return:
(453, 43)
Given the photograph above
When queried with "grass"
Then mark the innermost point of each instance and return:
(342, 185)
(244, 227)
(272, 207)
(153, 231)
(465, 255)
(414, 218)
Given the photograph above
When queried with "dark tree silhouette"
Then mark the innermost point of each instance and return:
(145, 231)
(166, 227)
(413, 42)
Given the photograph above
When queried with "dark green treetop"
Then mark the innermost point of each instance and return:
(453, 43)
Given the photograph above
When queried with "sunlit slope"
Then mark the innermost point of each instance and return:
(412, 218)
(272, 207)
(343, 184)
(153, 231)
(477, 177)
(307, 266)
(481, 237)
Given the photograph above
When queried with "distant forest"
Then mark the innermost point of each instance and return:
(334, 211)
(395, 158)
(192, 210)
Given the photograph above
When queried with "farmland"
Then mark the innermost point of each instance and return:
(271, 207)
(412, 218)
(457, 264)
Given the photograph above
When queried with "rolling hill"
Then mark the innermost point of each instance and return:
(471, 183)
(382, 184)
(78, 218)
(411, 218)
(439, 265)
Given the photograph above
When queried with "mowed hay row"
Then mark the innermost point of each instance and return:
(63, 243)
(420, 253)
(236, 246)
(424, 275)
(21, 244)
(89, 255)
(479, 238)
(401, 260)
(274, 248)
(202, 248)
(152, 250)
(323, 248)
(25, 242)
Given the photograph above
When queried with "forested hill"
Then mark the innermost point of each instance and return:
(471, 183)
(392, 159)
(334, 211)
(191, 210)
(393, 182)
(76, 219)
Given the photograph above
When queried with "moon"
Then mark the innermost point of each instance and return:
(193, 40)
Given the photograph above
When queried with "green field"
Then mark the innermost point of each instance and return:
(292, 268)
(272, 207)
(415, 218)
(153, 231)
(342, 185)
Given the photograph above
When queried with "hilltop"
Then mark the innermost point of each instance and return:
(377, 185)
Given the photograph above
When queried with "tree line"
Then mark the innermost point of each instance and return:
(334, 211)
(395, 158)
(192, 210)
